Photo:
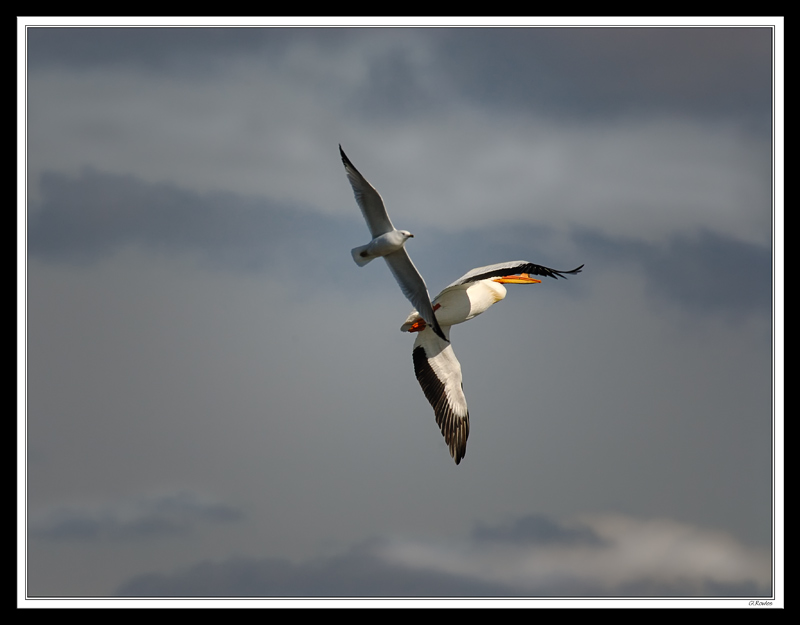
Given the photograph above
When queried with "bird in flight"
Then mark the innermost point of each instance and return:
(389, 243)
(435, 364)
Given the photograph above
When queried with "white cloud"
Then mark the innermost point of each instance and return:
(630, 553)
(625, 557)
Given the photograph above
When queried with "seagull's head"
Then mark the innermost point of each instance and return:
(406, 234)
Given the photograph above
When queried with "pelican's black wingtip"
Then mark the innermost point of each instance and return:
(557, 273)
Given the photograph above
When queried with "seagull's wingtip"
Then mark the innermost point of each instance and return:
(345, 160)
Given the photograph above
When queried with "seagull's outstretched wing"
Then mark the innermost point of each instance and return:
(413, 287)
(439, 374)
(369, 200)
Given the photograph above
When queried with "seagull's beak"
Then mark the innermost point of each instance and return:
(522, 278)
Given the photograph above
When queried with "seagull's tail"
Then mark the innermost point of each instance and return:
(361, 256)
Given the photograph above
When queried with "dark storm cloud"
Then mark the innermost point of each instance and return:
(158, 49)
(611, 71)
(85, 218)
(706, 272)
(153, 518)
(599, 72)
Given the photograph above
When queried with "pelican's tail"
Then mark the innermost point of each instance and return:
(361, 256)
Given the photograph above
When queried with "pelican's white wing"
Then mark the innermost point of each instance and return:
(439, 374)
(508, 268)
(413, 286)
(368, 199)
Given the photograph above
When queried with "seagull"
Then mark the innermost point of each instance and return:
(435, 364)
(389, 242)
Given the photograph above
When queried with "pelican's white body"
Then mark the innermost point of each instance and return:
(461, 303)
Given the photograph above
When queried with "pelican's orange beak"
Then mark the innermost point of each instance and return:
(522, 278)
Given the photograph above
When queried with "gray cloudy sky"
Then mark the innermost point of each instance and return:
(220, 402)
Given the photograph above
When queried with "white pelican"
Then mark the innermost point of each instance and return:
(436, 366)
(389, 243)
